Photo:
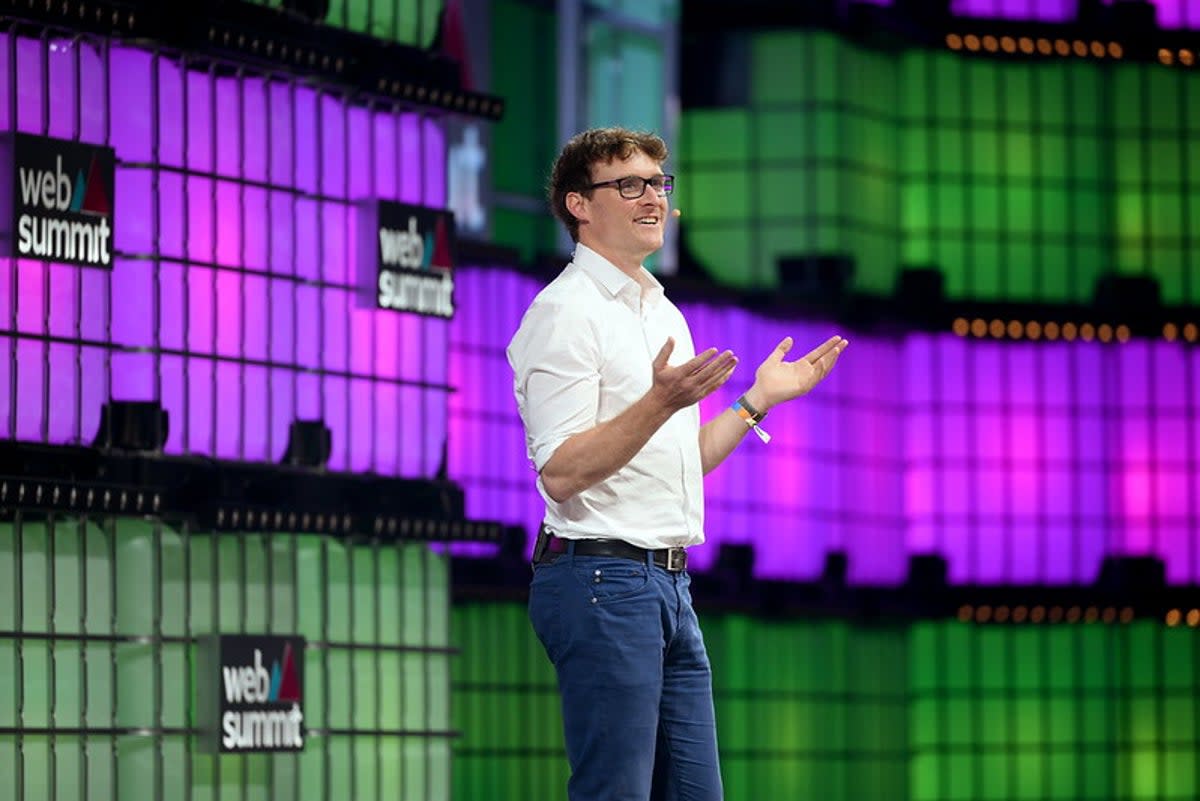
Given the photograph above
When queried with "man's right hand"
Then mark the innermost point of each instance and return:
(679, 387)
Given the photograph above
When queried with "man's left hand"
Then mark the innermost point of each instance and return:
(776, 380)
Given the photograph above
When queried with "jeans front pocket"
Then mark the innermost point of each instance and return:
(608, 579)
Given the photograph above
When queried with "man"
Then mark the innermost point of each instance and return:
(607, 381)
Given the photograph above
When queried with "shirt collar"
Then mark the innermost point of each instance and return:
(614, 281)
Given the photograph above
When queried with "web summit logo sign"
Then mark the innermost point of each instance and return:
(60, 200)
(407, 257)
(254, 693)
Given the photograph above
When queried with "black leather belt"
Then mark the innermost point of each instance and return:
(548, 547)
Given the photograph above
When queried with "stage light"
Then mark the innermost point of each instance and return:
(1080, 48)
(309, 445)
(965, 613)
(954, 41)
(1170, 332)
(990, 43)
(1127, 614)
(996, 329)
(1062, 47)
(1056, 614)
(1020, 614)
(1165, 56)
(978, 327)
(1008, 44)
(1190, 332)
(971, 41)
(1186, 58)
(1123, 333)
(1087, 332)
(1091, 615)
(132, 426)
(1173, 617)
(1073, 614)
(1052, 330)
(1105, 332)
(1116, 50)
(961, 326)
(1045, 47)
(1001, 614)
(1038, 614)
(1193, 618)
(983, 614)
(1109, 616)
(1015, 329)
(1098, 49)
(1033, 329)
(1026, 45)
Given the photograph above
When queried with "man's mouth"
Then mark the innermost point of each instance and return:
(648, 220)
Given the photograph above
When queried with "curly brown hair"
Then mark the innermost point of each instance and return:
(573, 170)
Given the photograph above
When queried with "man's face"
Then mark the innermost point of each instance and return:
(623, 230)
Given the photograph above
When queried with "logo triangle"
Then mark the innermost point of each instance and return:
(78, 193)
(441, 247)
(276, 677)
(289, 685)
(95, 199)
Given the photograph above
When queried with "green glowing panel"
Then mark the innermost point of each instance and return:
(726, 252)
(524, 139)
(714, 195)
(529, 233)
(717, 138)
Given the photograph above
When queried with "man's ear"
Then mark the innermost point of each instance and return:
(576, 203)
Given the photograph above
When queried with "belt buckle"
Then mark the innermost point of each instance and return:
(676, 560)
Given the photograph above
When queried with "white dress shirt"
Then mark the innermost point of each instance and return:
(583, 354)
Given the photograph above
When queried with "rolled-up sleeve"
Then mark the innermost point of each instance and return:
(556, 377)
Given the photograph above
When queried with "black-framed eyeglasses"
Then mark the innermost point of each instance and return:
(632, 187)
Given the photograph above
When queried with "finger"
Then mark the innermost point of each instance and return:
(781, 350)
(660, 361)
(714, 366)
(818, 353)
(698, 361)
(826, 362)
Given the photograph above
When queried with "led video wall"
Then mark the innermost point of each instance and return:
(832, 709)
(1170, 13)
(1018, 179)
(234, 298)
(1023, 462)
(412, 22)
(101, 622)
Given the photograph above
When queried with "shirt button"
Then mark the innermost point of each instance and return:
(595, 599)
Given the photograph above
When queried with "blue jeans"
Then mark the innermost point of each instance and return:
(634, 678)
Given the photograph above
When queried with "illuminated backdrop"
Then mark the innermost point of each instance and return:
(233, 297)
(1018, 461)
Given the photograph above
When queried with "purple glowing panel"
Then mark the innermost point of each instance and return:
(486, 445)
(304, 171)
(7, 48)
(411, 172)
(61, 65)
(133, 128)
(31, 86)
(433, 175)
(1041, 10)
